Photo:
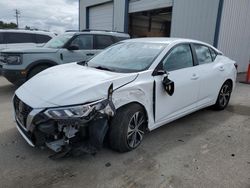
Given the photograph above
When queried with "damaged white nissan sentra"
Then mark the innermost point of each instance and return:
(131, 87)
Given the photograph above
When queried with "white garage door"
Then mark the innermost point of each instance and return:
(101, 17)
(142, 5)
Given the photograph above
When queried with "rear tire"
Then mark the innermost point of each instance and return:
(127, 128)
(36, 70)
(224, 96)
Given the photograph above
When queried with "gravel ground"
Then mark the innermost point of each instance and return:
(204, 149)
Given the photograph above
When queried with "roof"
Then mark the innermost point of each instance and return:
(28, 31)
(112, 33)
(166, 40)
(161, 40)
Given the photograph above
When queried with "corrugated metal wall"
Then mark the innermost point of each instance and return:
(195, 19)
(234, 36)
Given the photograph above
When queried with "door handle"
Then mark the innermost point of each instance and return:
(90, 54)
(221, 68)
(194, 77)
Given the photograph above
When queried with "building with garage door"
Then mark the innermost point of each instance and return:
(222, 23)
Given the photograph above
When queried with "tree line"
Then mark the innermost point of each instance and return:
(10, 25)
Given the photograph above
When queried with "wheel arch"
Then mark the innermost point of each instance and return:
(138, 103)
(226, 80)
(40, 63)
(230, 81)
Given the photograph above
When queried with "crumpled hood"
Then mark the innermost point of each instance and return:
(70, 84)
(30, 50)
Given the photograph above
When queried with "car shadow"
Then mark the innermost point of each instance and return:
(7, 89)
(167, 136)
(17, 154)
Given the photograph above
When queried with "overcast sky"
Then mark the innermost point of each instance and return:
(53, 15)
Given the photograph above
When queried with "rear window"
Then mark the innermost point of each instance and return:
(203, 54)
(42, 38)
(213, 54)
(1, 38)
(11, 38)
(103, 41)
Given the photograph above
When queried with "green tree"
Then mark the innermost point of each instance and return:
(10, 25)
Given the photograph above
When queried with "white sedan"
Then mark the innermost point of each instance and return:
(132, 87)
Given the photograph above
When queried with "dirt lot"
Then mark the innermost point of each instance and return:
(204, 149)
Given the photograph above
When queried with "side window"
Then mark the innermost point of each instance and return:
(213, 54)
(180, 57)
(1, 38)
(19, 38)
(84, 42)
(203, 54)
(103, 41)
(42, 38)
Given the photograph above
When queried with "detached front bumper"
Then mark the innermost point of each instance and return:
(61, 135)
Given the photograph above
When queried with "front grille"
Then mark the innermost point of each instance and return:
(22, 111)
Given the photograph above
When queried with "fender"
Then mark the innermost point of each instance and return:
(125, 96)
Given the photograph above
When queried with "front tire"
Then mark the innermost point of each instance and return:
(36, 70)
(224, 96)
(127, 128)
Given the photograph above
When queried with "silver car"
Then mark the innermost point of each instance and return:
(19, 65)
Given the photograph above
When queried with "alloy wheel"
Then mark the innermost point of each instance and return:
(136, 130)
(224, 95)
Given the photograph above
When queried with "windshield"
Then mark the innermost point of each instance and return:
(127, 57)
(59, 41)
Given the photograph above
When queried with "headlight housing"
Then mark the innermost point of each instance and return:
(81, 111)
(11, 59)
(69, 112)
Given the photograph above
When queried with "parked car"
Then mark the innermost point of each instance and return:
(129, 88)
(14, 38)
(19, 65)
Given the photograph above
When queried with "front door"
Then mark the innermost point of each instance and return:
(179, 65)
(85, 44)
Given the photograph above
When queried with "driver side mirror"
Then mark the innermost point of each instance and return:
(166, 82)
(73, 47)
(168, 85)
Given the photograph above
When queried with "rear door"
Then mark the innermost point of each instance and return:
(179, 63)
(211, 74)
(103, 41)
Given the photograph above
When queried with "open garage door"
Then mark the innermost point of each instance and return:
(101, 17)
(152, 23)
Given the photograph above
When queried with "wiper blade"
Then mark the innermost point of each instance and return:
(103, 68)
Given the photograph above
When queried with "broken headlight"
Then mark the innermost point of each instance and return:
(81, 111)
(69, 112)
